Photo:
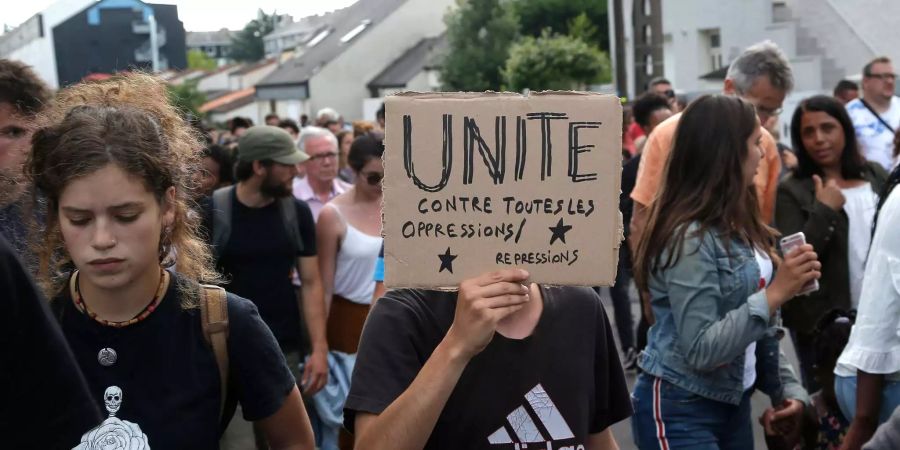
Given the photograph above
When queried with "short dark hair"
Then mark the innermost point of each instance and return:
(220, 155)
(844, 86)
(380, 113)
(867, 69)
(22, 88)
(243, 170)
(646, 105)
(272, 116)
(289, 123)
(658, 80)
(852, 162)
(364, 149)
(240, 122)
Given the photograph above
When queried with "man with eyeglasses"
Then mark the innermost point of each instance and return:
(876, 116)
(321, 183)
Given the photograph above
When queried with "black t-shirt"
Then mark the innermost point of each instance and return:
(558, 385)
(629, 179)
(258, 259)
(166, 375)
(45, 402)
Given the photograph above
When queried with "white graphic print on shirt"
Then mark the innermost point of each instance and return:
(521, 422)
(114, 433)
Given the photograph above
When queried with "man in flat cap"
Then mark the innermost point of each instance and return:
(260, 233)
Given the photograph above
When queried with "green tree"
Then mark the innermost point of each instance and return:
(247, 44)
(479, 34)
(187, 98)
(561, 16)
(554, 61)
(197, 59)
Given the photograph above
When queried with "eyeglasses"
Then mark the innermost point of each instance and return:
(669, 93)
(768, 111)
(323, 156)
(373, 178)
(883, 76)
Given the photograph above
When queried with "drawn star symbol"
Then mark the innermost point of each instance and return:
(446, 261)
(559, 231)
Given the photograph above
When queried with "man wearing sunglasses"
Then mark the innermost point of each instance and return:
(321, 183)
(876, 116)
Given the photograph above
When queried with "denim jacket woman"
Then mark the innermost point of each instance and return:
(709, 307)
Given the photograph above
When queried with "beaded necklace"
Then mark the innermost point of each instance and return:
(82, 306)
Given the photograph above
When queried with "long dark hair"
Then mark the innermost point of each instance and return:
(852, 162)
(704, 182)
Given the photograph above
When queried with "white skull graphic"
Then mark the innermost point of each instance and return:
(113, 399)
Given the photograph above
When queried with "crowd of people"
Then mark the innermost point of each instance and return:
(132, 220)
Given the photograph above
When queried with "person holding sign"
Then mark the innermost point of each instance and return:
(499, 364)
(708, 260)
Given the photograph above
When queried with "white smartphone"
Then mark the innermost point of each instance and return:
(788, 244)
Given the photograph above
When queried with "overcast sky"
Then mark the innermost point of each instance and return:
(197, 15)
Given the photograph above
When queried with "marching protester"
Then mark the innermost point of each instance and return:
(830, 197)
(217, 171)
(439, 369)
(345, 139)
(321, 183)
(649, 110)
(348, 235)
(846, 91)
(166, 358)
(867, 381)
(43, 388)
(22, 97)
(708, 260)
(261, 235)
(876, 116)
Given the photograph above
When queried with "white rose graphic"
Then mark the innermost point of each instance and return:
(114, 434)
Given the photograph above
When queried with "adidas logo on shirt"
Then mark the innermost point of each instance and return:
(537, 421)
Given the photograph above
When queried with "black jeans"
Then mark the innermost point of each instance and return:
(620, 300)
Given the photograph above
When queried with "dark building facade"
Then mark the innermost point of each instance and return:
(114, 35)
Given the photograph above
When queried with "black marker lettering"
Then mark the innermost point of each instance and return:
(575, 149)
(496, 162)
(546, 143)
(447, 154)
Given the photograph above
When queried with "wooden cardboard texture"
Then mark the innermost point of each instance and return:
(478, 182)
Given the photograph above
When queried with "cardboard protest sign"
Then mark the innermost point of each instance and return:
(477, 182)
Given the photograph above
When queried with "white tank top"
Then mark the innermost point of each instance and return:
(355, 265)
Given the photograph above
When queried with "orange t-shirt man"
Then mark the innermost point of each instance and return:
(656, 153)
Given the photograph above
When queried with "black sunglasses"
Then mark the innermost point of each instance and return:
(373, 178)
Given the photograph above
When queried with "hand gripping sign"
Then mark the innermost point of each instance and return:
(482, 181)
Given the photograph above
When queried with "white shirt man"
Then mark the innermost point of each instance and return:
(876, 117)
(321, 183)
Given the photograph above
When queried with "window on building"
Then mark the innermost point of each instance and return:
(355, 31)
(648, 65)
(318, 38)
(715, 50)
(648, 35)
(648, 9)
(710, 50)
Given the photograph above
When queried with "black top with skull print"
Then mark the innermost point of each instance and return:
(45, 402)
(163, 387)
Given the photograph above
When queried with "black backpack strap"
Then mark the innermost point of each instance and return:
(221, 224)
(877, 116)
(288, 211)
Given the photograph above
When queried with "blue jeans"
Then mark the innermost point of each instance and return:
(845, 391)
(667, 417)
